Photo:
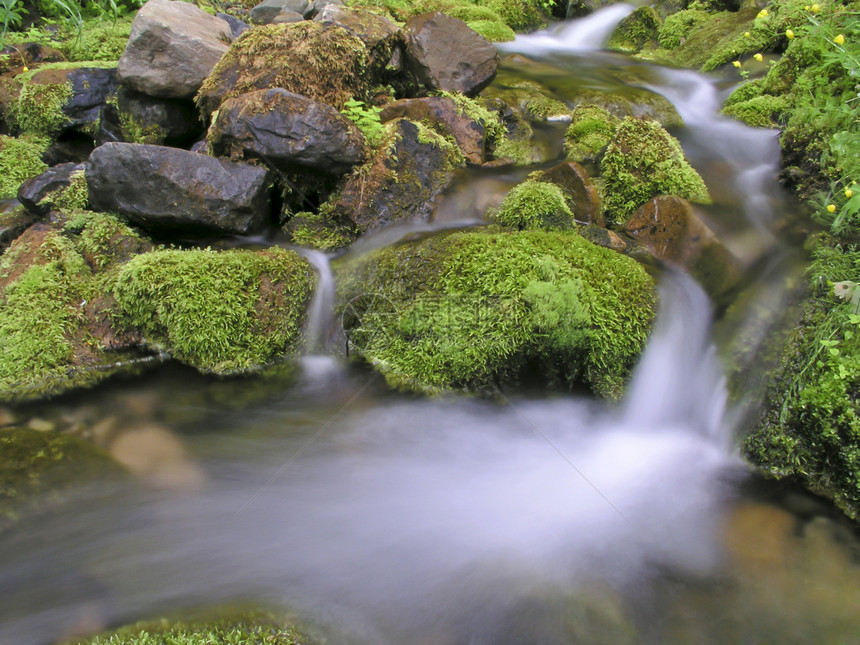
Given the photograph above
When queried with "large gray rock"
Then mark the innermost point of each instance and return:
(288, 131)
(168, 190)
(266, 12)
(446, 54)
(173, 46)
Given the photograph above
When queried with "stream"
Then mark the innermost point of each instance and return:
(536, 517)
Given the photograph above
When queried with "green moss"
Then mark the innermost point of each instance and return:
(759, 111)
(535, 204)
(318, 231)
(811, 430)
(643, 161)
(479, 308)
(72, 197)
(546, 108)
(39, 108)
(493, 30)
(478, 111)
(20, 159)
(519, 15)
(37, 468)
(636, 31)
(673, 32)
(103, 240)
(221, 312)
(590, 131)
(100, 38)
(323, 62)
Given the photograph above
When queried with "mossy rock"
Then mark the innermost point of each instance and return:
(221, 312)
(20, 160)
(477, 309)
(55, 332)
(38, 469)
(632, 101)
(643, 161)
(323, 62)
(636, 31)
(677, 27)
(810, 431)
(517, 15)
(535, 204)
(590, 131)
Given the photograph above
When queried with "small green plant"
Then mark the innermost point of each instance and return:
(366, 117)
(11, 12)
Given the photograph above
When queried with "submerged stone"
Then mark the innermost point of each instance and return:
(479, 309)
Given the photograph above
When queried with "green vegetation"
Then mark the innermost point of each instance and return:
(643, 161)
(636, 31)
(319, 231)
(221, 312)
(366, 118)
(72, 197)
(20, 159)
(535, 204)
(472, 310)
(590, 131)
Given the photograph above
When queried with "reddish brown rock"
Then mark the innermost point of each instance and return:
(575, 182)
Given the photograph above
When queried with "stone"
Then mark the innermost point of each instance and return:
(266, 12)
(286, 17)
(286, 130)
(176, 191)
(32, 53)
(400, 182)
(672, 231)
(33, 191)
(138, 118)
(172, 48)
(237, 27)
(318, 6)
(12, 224)
(575, 182)
(371, 28)
(444, 53)
(441, 112)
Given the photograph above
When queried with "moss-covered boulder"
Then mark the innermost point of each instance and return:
(324, 62)
(636, 31)
(643, 161)
(535, 204)
(590, 131)
(477, 309)
(220, 312)
(579, 191)
(20, 159)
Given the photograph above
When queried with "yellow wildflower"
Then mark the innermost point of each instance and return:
(789, 34)
(815, 8)
(736, 63)
(758, 57)
(848, 192)
(831, 208)
(762, 14)
(839, 40)
(747, 34)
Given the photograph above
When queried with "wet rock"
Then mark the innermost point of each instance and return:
(670, 229)
(286, 17)
(70, 148)
(12, 224)
(172, 48)
(266, 12)
(173, 191)
(575, 182)
(371, 28)
(636, 31)
(237, 27)
(603, 237)
(156, 453)
(35, 193)
(442, 113)
(288, 131)
(32, 53)
(398, 184)
(316, 7)
(138, 118)
(443, 53)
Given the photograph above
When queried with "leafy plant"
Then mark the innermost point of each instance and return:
(10, 13)
(366, 118)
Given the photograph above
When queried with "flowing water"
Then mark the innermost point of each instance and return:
(540, 518)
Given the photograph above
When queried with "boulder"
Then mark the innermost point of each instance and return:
(287, 131)
(139, 118)
(317, 6)
(35, 193)
(670, 229)
(175, 191)
(286, 17)
(535, 204)
(581, 192)
(442, 113)
(410, 168)
(13, 222)
(371, 28)
(237, 27)
(266, 12)
(443, 53)
(172, 48)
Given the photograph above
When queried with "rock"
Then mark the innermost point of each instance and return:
(636, 31)
(32, 53)
(603, 237)
(576, 184)
(138, 118)
(237, 27)
(535, 204)
(441, 112)
(323, 62)
(20, 159)
(287, 131)
(371, 28)
(443, 53)
(590, 131)
(410, 168)
(286, 17)
(69, 149)
(479, 308)
(154, 452)
(12, 224)
(35, 194)
(670, 229)
(172, 48)
(175, 191)
(316, 7)
(266, 12)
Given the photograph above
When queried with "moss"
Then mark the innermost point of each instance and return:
(673, 32)
(237, 629)
(221, 312)
(323, 62)
(535, 204)
(759, 111)
(493, 30)
(100, 38)
(20, 159)
(472, 310)
(643, 161)
(590, 131)
(811, 428)
(519, 15)
(318, 231)
(72, 197)
(37, 468)
(103, 240)
(635, 31)
(546, 108)
(477, 111)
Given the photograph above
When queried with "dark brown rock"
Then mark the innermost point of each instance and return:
(575, 182)
(33, 191)
(13, 222)
(444, 53)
